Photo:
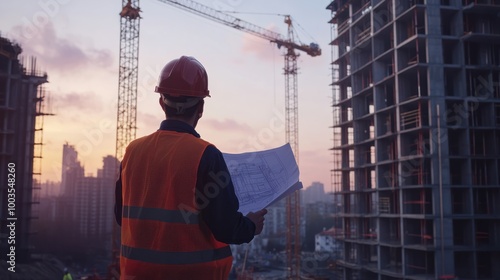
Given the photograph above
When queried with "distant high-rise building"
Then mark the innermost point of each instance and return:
(87, 206)
(50, 189)
(320, 208)
(275, 219)
(108, 176)
(71, 170)
(416, 129)
(21, 100)
(314, 193)
(71, 174)
(109, 168)
(93, 202)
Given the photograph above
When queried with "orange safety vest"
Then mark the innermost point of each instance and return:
(163, 236)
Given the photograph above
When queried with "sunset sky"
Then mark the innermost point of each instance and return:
(77, 44)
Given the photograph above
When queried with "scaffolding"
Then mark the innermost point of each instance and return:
(21, 107)
(399, 162)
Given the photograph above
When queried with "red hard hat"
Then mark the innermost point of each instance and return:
(184, 76)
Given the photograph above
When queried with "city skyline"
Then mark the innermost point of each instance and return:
(312, 192)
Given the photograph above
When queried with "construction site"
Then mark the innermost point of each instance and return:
(415, 171)
(416, 129)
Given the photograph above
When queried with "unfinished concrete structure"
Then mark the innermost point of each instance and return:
(416, 128)
(21, 123)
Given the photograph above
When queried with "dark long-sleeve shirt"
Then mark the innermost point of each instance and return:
(219, 206)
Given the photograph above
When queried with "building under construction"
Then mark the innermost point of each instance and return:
(21, 122)
(416, 129)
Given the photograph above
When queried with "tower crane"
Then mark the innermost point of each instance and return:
(127, 97)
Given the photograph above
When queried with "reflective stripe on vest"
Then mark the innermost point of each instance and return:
(161, 215)
(160, 257)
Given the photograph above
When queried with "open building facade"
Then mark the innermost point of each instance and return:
(21, 124)
(416, 129)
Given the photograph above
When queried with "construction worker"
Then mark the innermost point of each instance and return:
(67, 275)
(175, 200)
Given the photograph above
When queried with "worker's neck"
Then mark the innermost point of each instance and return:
(192, 121)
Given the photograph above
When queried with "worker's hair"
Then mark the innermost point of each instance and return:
(173, 112)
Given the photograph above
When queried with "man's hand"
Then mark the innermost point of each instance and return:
(258, 219)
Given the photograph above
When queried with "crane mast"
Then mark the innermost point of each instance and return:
(127, 75)
(292, 136)
(126, 116)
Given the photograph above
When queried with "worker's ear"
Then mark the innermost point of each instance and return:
(200, 108)
(161, 104)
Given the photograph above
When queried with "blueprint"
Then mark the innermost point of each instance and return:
(263, 177)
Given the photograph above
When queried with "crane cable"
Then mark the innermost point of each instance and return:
(303, 30)
(277, 14)
(274, 59)
(252, 13)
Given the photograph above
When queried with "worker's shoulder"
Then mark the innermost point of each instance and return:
(212, 153)
(140, 140)
(186, 138)
(203, 141)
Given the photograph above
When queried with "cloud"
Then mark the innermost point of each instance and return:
(314, 166)
(316, 154)
(85, 102)
(148, 123)
(227, 125)
(60, 54)
(259, 47)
